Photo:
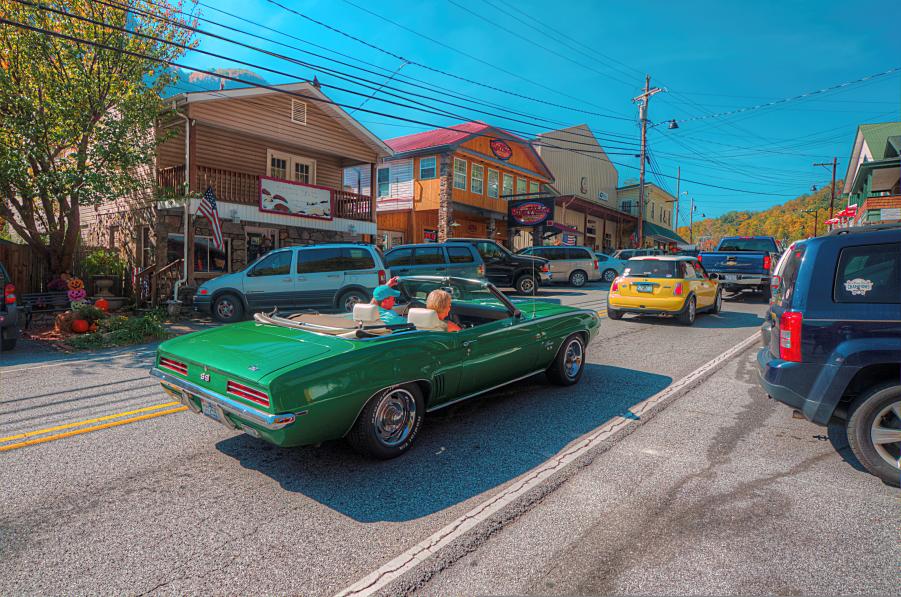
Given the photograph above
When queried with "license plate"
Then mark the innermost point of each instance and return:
(211, 410)
(730, 277)
(644, 288)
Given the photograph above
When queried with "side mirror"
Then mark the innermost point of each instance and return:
(713, 276)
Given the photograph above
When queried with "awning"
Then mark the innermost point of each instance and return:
(663, 234)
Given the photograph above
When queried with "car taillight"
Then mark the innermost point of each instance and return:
(171, 365)
(775, 283)
(545, 268)
(481, 271)
(615, 286)
(203, 291)
(9, 292)
(790, 336)
(767, 262)
(699, 258)
(596, 264)
(678, 289)
(382, 277)
(242, 391)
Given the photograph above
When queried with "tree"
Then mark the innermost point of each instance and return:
(77, 120)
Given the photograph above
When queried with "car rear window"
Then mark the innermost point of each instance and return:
(399, 257)
(357, 259)
(428, 256)
(748, 244)
(869, 274)
(650, 268)
(460, 255)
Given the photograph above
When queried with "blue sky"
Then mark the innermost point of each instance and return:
(712, 57)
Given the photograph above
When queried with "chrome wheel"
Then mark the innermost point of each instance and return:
(225, 309)
(577, 279)
(573, 358)
(885, 433)
(609, 275)
(395, 417)
(527, 285)
(352, 299)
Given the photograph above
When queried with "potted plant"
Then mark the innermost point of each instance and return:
(104, 267)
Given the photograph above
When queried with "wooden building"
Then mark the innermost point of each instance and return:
(450, 183)
(239, 142)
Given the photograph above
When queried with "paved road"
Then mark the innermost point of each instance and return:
(174, 504)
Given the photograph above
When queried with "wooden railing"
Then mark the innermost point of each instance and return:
(240, 187)
(151, 285)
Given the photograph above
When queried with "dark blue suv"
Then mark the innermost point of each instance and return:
(832, 339)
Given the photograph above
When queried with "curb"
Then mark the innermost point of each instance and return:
(411, 569)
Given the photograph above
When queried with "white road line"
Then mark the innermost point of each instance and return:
(416, 555)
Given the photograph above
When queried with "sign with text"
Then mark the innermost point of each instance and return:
(295, 199)
(529, 212)
(429, 235)
(501, 149)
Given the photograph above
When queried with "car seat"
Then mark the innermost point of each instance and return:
(425, 319)
(366, 314)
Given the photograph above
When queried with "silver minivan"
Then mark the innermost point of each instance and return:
(576, 265)
(336, 276)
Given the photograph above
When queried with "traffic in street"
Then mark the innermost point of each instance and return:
(155, 498)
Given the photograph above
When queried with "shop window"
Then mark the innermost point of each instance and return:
(493, 190)
(477, 184)
(459, 174)
(521, 186)
(534, 188)
(507, 188)
(427, 168)
(207, 258)
(260, 242)
(291, 167)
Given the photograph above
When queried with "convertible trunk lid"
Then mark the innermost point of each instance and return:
(251, 350)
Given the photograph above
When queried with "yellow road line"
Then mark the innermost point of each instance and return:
(50, 438)
(87, 422)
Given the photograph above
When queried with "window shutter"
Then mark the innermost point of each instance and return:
(298, 112)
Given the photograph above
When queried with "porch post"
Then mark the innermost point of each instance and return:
(445, 199)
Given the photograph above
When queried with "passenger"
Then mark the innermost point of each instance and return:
(439, 301)
(384, 297)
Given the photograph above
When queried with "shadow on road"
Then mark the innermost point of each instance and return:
(721, 320)
(461, 451)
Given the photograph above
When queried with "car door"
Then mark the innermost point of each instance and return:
(399, 261)
(320, 274)
(361, 267)
(705, 287)
(429, 261)
(496, 352)
(269, 283)
(499, 267)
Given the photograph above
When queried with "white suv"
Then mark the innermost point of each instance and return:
(334, 276)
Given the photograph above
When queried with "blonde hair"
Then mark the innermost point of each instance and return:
(438, 301)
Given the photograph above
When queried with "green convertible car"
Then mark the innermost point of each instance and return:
(306, 378)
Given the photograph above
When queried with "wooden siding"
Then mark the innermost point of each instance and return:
(663, 202)
(269, 116)
(570, 168)
(524, 157)
(426, 191)
(226, 150)
(482, 200)
(171, 152)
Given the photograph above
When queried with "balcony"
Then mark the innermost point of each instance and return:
(240, 187)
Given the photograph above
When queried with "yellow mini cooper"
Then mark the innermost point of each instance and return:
(664, 285)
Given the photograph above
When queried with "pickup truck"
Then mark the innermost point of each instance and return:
(743, 262)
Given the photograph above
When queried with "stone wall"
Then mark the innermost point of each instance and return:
(445, 197)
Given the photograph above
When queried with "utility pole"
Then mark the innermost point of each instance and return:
(678, 180)
(832, 198)
(691, 222)
(642, 101)
(816, 214)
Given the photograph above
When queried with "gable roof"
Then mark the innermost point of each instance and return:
(437, 137)
(298, 90)
(877, 135)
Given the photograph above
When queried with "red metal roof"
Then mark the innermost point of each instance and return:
(436, 137)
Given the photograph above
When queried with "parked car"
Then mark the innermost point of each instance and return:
(433, 259)
(610, 267)
(832, 340)
(313, 378)
(576, 265)
(626, 254)
(667, 285)
(293, 278)
(743, 262)
(688, 252)
(9, 312)
(504, 269)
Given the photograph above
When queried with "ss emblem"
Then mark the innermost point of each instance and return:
(204, 377)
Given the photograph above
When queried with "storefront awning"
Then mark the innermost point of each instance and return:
(662, 234)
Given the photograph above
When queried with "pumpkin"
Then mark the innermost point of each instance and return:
(102, 304)
(77, 294)
(80, 326)
(75, 284)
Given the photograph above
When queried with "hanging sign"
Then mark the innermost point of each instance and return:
(501, 149)
(295, 199)
(529, 213)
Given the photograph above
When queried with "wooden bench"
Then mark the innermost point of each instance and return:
(44, 302)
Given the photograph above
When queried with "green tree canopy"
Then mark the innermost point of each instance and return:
(78, 119)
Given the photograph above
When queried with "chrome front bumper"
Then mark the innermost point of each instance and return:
(181, 388)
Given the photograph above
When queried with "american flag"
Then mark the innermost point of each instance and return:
(209, 210)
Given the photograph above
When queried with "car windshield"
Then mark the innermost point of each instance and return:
(650, 268)
(748, 244)
(460, 289)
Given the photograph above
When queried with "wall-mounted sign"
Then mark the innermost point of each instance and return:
(583, 185)
(890, 213)
(501, 149)
(533, 212)
(602, 195)
(429, 235)
(295, 199)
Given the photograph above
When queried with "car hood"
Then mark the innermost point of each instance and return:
(251, 350)
(234, 280)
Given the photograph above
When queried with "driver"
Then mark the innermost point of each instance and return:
(384, 297)
(439, 301)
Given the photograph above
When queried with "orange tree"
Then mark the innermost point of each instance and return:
(76, 119)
